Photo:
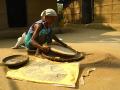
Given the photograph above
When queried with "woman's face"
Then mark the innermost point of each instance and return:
(50, 19)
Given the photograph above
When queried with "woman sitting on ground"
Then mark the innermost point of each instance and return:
(41, 33)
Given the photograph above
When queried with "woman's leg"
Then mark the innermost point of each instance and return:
(20, 41)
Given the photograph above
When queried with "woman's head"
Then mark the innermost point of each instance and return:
(49, 15)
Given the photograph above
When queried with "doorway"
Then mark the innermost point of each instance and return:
(16, 13)
(87, 11)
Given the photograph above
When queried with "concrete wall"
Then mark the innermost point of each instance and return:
(35, 7)
(3, 15)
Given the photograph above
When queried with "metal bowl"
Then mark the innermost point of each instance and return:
(15, 60)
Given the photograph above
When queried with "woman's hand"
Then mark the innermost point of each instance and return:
(45, 49)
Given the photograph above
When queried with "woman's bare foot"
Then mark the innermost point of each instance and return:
(15, 47)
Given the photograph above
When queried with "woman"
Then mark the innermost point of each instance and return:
(41, 33)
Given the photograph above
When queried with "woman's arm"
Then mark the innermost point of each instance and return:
(59, 41)
(62, 43)
(36, 29)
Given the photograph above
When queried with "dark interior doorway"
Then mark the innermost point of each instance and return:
(16, 12)
(87, 11)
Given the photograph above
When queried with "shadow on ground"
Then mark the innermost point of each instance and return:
(76, 34)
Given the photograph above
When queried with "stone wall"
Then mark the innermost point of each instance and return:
(107, 11)
(72, 12)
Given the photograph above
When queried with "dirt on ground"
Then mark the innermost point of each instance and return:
(101, 48)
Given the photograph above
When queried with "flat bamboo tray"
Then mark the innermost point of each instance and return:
(62, 54)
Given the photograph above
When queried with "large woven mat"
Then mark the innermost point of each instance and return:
(40, 71)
